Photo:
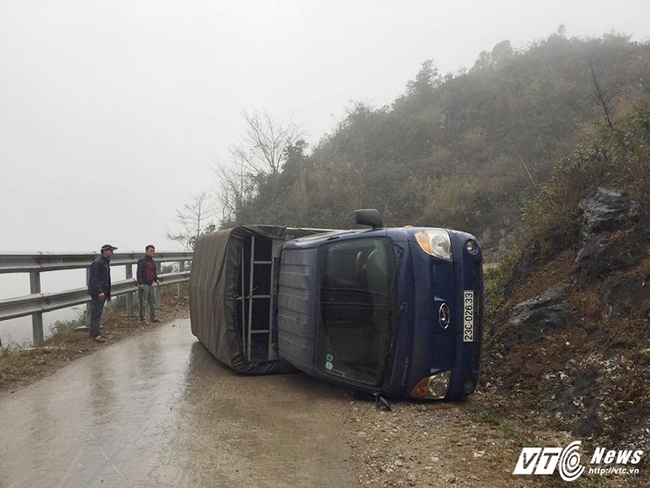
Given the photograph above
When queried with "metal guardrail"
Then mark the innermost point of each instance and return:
(24, 263)
(37, 303)
(46, 302)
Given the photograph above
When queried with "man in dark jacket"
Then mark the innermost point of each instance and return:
(147, 276)
(99, 288)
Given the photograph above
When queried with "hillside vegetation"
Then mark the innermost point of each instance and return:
(463, 151)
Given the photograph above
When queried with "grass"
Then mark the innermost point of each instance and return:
(551, 273)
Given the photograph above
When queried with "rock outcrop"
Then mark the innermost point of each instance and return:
(606, 217)
(547, 311)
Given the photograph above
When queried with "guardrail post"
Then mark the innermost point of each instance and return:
(89, 307)
(37, 318)
(129, 296)
(181, 268)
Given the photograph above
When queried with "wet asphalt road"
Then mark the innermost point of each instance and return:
(158, 410)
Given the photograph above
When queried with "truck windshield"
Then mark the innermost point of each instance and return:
(356, 292)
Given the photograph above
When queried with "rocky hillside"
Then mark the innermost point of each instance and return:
(572, 341)
(568, 337)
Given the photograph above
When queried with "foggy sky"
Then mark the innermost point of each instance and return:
(113, 113)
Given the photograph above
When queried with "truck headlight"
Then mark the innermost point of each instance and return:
(435, 242)
(432, 387)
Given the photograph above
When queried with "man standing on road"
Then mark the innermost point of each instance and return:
(147, 276)
(99, 288)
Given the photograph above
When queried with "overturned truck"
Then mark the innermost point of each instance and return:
(396, 312)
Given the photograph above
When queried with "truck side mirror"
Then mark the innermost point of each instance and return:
(368, 216)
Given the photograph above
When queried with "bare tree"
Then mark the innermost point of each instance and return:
(265, 142)
(236, 188)
(259, 155)
(195, 219)
(601, 97)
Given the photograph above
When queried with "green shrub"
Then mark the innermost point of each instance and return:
(61, 326)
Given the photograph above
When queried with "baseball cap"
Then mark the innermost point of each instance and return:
(108, 247)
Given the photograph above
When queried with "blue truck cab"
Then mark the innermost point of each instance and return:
(392, 311)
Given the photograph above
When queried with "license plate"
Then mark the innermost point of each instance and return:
(468, 316)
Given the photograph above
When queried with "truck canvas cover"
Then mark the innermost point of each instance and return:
(221, 285)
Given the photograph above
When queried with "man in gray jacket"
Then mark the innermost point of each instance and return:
(147, 276)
